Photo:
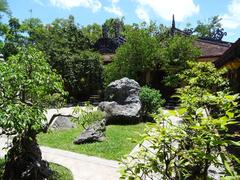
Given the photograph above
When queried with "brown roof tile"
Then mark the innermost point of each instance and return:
(211, 48)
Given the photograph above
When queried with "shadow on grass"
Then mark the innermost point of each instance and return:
(59, 172)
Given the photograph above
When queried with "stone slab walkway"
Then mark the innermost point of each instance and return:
(83, 167)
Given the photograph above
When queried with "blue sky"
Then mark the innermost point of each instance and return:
(90, 11)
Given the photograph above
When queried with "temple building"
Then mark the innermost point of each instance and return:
(231, 60)
(211, 48)
(107, 46)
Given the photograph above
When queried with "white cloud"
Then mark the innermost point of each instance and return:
(39, 2)
(115, 1)
(95, 5)
(231, 19)
(166, 8)
(114, 9)
(142, 14)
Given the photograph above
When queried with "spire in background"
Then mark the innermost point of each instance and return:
(173, 22)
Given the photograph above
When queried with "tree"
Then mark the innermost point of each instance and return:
(136, 56)
(111, 25)
(67, 50)
(199, 80)
(13, 37)
(28, 87)
(149, 49)
(83, 75)
(176, 51)
(4, 7)
(211, 29)
(34, 29)
(93, 32)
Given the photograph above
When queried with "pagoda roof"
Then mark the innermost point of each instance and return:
(210, 48)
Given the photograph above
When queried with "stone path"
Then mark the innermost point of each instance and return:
(83, 167)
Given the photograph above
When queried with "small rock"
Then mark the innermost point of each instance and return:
(95, 132)
(62, 122)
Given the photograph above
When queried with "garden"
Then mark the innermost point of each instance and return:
(50, 75)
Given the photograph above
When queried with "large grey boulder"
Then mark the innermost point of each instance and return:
(93, 133)
(122, 103)
(62, 123)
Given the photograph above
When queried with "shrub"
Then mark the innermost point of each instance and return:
(87, 115)
(185, 150)
(151, 100)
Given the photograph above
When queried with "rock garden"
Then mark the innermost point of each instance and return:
(117, 101)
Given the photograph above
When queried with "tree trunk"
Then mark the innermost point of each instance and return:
(24, 160)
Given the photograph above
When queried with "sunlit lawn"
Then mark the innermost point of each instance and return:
(116, 145)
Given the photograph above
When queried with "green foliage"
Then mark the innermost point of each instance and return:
(2, 164)
(151, 100)
(83, 74)
(65, 45)
(4, 8)
(67, 50)
(87, 115)
(111, 25)
(134, 57)
(206, 30)
(148, 49)
(60, 172)
(93, 32)
(202, 79)
(13, 37)
(186, 149)
(176, 51)
(27, 84)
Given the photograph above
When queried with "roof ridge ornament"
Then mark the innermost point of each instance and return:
(173, 22)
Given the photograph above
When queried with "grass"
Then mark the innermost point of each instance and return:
(2, 164)
(59, 172)
(116, 145)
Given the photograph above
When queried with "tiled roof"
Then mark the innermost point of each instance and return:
(210, 48)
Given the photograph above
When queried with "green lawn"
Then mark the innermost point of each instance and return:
(59, 172)
(116, 145)
(1, 168)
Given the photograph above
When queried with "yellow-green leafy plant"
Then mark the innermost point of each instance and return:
(87, 115)
(185, 143)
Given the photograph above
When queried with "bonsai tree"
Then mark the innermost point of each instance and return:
(27, 87)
